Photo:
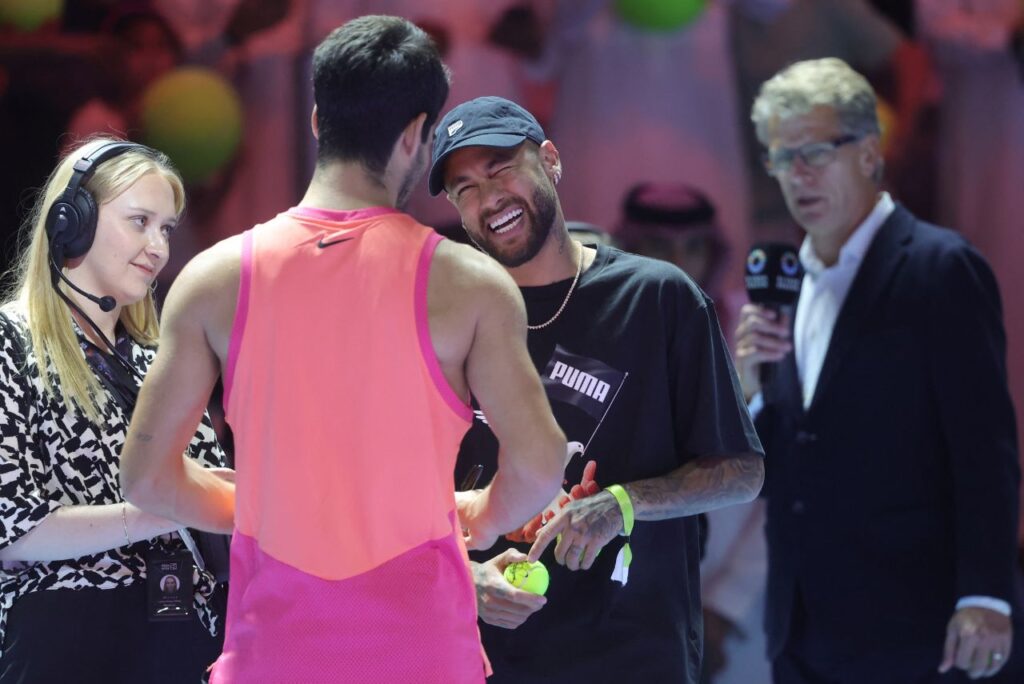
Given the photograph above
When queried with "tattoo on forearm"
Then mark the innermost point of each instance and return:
(705, 484)
(597, 518)
(143, 437)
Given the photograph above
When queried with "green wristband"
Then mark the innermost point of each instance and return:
(626, 506)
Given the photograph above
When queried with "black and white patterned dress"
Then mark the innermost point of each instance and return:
(52, 456)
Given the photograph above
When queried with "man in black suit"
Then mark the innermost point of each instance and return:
(891, 471)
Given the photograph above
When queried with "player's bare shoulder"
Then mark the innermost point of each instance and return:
(205, 293)
(211, 277)
(214, 267)
(475, 282)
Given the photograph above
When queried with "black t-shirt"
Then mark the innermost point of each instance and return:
(638, 371)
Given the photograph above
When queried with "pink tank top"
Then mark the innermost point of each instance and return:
(347, 559)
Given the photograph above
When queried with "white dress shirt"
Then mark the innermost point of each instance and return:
(823, 293)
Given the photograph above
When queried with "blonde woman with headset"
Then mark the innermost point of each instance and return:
(80, 568)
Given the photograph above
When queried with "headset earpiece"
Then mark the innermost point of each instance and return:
(71, 225)
(71, 220)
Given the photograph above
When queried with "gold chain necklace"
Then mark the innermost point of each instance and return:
(579, 270)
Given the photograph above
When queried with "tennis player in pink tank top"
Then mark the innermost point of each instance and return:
(349, 338)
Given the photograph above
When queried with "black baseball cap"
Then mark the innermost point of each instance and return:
(490, 121)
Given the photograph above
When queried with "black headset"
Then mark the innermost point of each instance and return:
(71, 228)
(71, 221)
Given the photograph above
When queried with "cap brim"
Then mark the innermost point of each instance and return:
(435, 181)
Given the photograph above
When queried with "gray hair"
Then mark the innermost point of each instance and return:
(802, 86)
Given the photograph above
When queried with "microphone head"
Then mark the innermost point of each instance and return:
(107, 303)
(773, 274)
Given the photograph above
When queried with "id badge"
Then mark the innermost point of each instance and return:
(168, 585)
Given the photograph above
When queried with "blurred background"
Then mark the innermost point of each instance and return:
(648, 102)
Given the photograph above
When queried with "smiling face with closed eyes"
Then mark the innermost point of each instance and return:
(506, 198)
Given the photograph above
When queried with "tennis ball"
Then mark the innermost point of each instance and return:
(531, 577)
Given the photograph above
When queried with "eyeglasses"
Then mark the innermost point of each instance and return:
(814, 155)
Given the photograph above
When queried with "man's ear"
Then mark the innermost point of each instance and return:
(314, 123)
(551, 161)
(412, 135)
(870, 148)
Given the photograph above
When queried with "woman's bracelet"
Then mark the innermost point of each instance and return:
(124, 522)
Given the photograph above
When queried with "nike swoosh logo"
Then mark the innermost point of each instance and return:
(323, 244)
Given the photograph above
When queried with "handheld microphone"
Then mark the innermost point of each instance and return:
(106, 303)
(773, 277)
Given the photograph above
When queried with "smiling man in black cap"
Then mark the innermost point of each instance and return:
(640, 380)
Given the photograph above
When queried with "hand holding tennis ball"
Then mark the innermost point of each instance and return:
(531, 577)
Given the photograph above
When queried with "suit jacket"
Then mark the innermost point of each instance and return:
(895, 492)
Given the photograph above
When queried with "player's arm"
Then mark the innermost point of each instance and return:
(501, 376)
(155, 474)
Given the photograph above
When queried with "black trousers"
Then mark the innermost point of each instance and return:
(101, 636)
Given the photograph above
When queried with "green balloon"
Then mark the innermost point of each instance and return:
(28, 15)
(659, 15)
(194, 116)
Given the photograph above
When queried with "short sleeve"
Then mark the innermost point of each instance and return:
(23, 503)
(710, 413)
